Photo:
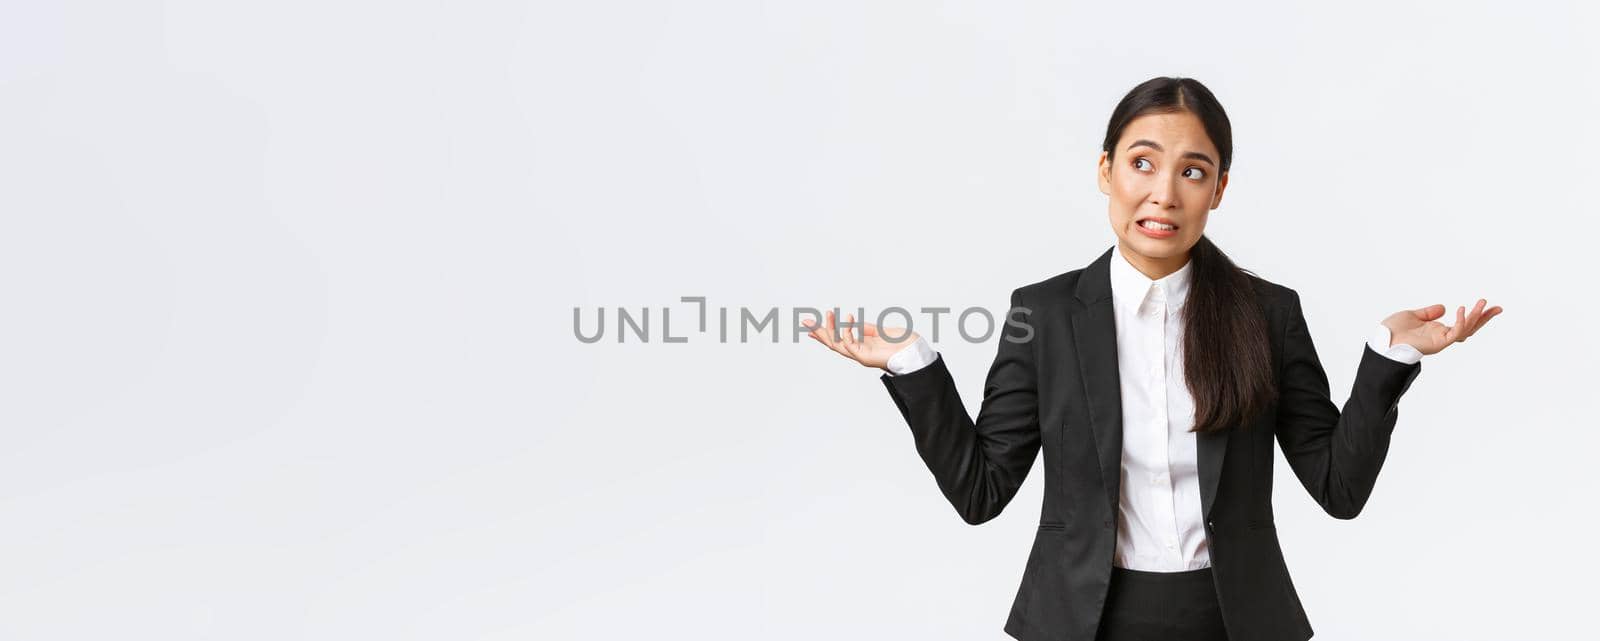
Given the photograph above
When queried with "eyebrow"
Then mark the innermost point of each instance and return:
(1187, 154)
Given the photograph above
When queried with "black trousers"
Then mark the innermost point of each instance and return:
(1161, 606)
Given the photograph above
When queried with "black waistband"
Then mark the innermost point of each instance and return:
(1198, 575)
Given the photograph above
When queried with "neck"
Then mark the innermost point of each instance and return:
(1153, 268)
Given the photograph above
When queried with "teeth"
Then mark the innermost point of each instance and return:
(1150, 224)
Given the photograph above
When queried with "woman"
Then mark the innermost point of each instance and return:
(1155, 380)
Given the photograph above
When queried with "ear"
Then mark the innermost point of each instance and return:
(1222, 184)
(1104, 173)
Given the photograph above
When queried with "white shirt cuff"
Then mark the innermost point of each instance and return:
(1379, 342)
(912, 357)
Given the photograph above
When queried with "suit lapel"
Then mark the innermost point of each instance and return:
(1094, 334)
(1210, 448)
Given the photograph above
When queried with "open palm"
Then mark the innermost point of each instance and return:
(871, 348)
(1420, 328)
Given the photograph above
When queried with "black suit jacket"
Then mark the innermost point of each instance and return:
(1060, 392)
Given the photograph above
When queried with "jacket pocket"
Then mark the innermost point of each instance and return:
(1051, 525)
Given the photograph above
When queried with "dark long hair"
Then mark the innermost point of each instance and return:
(1227, 359)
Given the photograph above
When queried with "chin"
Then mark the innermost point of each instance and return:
(1159, 248)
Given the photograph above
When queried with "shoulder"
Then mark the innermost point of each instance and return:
(1059, 285)
(1272, 295)
(1056, 292)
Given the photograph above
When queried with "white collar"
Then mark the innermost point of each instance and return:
(1130, 287)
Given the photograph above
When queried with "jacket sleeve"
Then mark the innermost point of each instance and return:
(1336, 455)
(978, 466)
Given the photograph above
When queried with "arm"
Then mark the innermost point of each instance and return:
(1382, 342)
(978, 466)
(917, 355)
(1336, 454)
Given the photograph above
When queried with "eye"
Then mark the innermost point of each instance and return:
(1198, 173)
(1136, 162)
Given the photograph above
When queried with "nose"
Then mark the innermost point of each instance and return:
(1164, 193)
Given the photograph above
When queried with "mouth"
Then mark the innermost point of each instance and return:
(1156, 223)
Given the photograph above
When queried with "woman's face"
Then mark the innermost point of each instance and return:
(1165, 171)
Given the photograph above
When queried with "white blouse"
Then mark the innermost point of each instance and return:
(1159, 524)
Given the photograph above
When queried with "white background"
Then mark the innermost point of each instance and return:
(288, 348)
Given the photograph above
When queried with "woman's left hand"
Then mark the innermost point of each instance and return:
(1418, 327)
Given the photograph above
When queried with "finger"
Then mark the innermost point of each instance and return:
(825, 332)
(1428, 313)
(1460, 325)
(851, 346)
(868, 329)
(820, 338)
(816, 330)
(839, 336)
(1473, 317)
(1487, 314)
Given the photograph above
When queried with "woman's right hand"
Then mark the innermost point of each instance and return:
(870, 348)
